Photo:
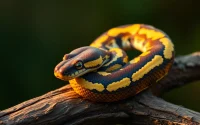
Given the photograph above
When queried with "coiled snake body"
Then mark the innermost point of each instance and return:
(101, 72)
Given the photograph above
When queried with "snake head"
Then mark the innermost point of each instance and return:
(81, 61)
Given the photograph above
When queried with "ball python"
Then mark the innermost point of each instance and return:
(102, 71)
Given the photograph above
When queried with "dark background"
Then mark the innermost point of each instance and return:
(34, 36)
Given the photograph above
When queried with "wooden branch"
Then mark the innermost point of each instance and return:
(186, 69)
(64, 107)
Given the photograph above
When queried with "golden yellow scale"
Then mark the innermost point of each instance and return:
(150, 41)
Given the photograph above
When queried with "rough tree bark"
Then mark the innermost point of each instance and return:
(64, 107)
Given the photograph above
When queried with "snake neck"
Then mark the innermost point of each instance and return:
(117, 59)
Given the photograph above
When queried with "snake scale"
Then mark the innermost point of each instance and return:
(102, 71)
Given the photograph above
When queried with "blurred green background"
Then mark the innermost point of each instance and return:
(34, 36)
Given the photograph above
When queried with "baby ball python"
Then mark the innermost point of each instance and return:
(101, 72)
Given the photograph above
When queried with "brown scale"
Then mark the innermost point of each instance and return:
(144, 82)
(110, 97)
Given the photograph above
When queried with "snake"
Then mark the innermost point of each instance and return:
(102, 71)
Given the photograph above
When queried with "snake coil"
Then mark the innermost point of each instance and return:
(101, 72)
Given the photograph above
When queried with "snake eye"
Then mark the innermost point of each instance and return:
(79, 65)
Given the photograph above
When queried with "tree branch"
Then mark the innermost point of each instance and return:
(64, 107)
(186, 69)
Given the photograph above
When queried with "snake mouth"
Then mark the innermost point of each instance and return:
(66, 76)
(78, 73)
